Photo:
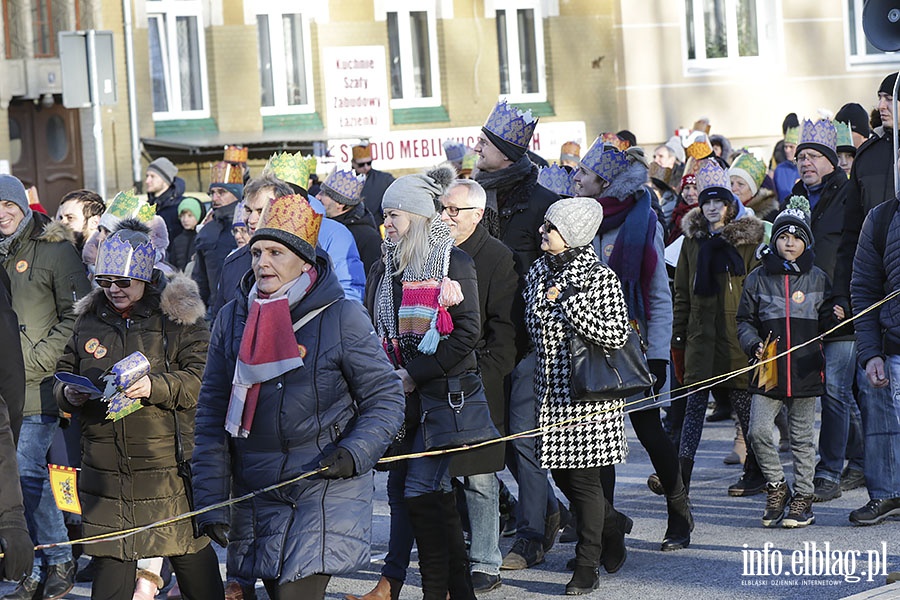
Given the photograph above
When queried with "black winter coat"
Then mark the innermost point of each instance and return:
(213, 244)
(373, 191)
(346, 394)
(496, 350)
(181, 249)
(12, 399)
(167, 206)
(233, 270)
(362, 225)
(129, 473)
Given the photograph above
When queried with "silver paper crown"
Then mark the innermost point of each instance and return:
(511, 124)
(605, 160)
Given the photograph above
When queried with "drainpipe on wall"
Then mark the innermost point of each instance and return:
(132, 96)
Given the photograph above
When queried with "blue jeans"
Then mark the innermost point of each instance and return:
(838, 406)
(45, 520)
(880, 408)
(536, 497)
(482, 497)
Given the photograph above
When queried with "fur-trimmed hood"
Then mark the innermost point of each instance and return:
(763, 203)
(179, 301)
(51, 231)
(746, 230)
(628, 182)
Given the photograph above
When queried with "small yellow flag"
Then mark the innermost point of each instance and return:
(63, 482)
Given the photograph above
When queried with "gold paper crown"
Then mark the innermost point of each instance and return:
(236, 154)
(362, 150)
(292, 168)
(292, 221)
(225, 172)
(697, 145)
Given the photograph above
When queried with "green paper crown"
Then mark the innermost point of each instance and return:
(292, 168)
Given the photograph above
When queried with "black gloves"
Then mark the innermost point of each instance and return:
(18, 553)
(660, 369)
(217, 532)
(340, 465)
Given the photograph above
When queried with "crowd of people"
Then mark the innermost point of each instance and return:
(286, 338)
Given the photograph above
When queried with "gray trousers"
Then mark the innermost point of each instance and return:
(801, 421)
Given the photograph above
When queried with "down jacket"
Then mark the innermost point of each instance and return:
(793, 308)
(705, 327)
(590, 304)
(129, 473)
(346, 394)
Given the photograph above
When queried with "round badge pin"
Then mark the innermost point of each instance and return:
(798, 297)
(100, 352)
(91, 345)
(302, 350)
(21, 266)
(553, 293)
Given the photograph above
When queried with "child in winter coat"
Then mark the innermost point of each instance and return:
(784, 300)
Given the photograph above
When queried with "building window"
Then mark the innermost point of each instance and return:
(520, 50)
(721, 33)
(412, 43)
(860, 51)
(285, 60)
(177, 59)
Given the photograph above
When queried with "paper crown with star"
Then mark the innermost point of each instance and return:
(511, 124)
(291, 168)
(344, 187)
(558, 179)
(604, 160)
(126, 253)
(290, 220)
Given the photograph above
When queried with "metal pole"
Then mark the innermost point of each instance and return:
(95, 112)
(894, 141)
(136, 170)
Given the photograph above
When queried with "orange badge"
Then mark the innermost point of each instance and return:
(91, 345)
(798, 297)
(302, 350)
(21, 266)
(100, 352)
(607, 250)
(553, 293)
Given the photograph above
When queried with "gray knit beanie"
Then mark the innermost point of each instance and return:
(12, 190)
(576, 219)
(163, 167)
(418, 194)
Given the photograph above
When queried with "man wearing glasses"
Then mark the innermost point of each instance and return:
(376, 181)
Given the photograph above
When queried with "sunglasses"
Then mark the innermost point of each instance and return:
(548, 227)
(453, 211)
(364, 164)
(121, 282)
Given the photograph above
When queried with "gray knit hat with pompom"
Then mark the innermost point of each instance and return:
(419, 193)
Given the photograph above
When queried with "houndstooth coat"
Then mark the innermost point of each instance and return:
(589, 300)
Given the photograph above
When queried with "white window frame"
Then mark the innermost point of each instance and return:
(167, 12)
(769, 40)
(403, 8)
(512, 50)
(855, 58)
(274, 10)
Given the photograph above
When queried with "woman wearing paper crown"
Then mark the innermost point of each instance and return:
(295, 382)
(747, 174)
(720, 241)
(132, 471)
(423, 298)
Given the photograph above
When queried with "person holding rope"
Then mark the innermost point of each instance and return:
(135, 469)
(296, 383)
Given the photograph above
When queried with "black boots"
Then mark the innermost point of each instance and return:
(613, 555)
(681, 522)
(584, 581)
(687, 468)
(443, 562)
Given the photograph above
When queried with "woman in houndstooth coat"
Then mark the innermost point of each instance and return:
(568, 290)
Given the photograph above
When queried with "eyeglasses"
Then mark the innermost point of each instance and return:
(808, 156)
(548, 227)
(106, 282)
(453, 211)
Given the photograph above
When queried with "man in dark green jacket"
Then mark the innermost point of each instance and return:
(46, 279)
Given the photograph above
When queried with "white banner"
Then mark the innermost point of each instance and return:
(356, 96)
(423, 148)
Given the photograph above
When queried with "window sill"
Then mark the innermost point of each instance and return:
(430, 114)
(301, 122)
(207, 125)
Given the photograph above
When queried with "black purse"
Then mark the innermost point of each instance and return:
(599, 373)
(455, 412)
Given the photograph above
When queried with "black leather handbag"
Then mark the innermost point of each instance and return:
(455, 412)
(599, 373)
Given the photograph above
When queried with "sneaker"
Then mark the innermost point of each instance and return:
(825, 490)
(28, 589)
(483, 582)
(748, 485)
(800, 513)
(523, 554)
(60, 580)
(852, 479)
(876, 511)
(777, 497)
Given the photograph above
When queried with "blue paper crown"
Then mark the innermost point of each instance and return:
(821, 132)
(123, 257)
(455, 151)
(605, 160)
(344, 186)
(558, 179)
(712, 175)
(511, 124)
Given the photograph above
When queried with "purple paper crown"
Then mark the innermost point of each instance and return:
(821, 132)
(344, 187)
(455, 151)
(558, 179)
(511, 124)
(122, 257)
(605, 160)
(712, 175)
